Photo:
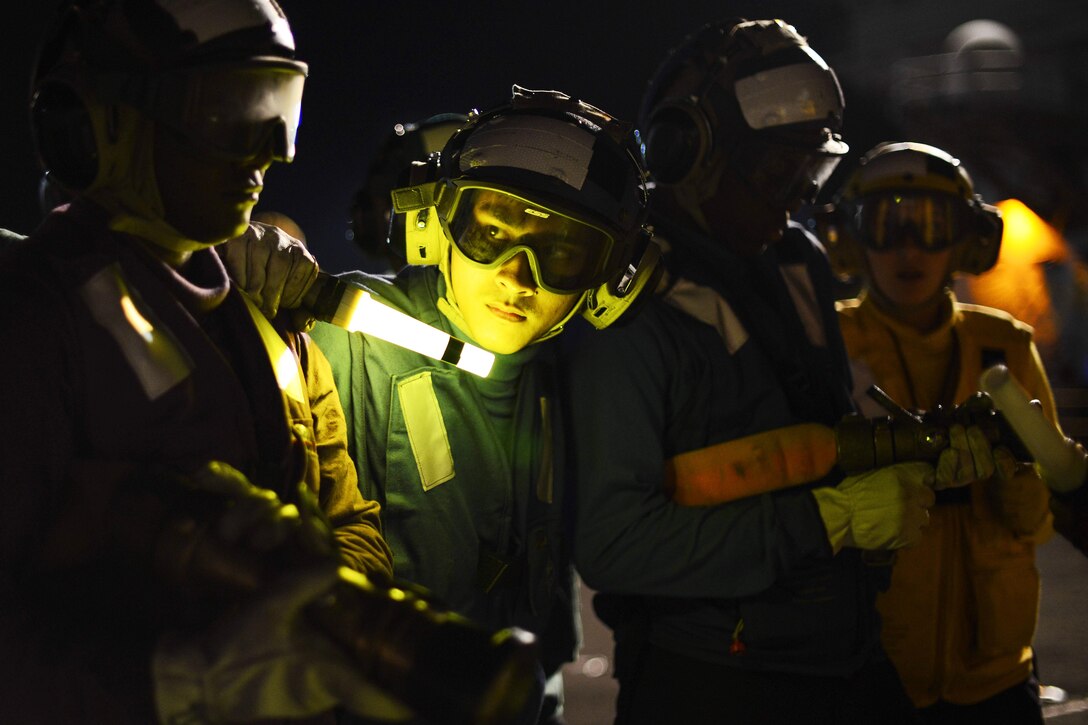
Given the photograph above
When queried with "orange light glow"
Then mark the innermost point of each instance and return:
(1027, 238)
(1017, 283)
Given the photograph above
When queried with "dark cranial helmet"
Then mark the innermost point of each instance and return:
(573, 168)
(751, 93)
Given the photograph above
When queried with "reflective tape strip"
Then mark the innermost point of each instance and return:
(543, 145)
(207, 21)
(285, 364)
(154, 355)
(804, 299)
(426, 430)
(789, 94)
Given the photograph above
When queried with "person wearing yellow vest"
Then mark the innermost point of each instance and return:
(175, 479)
(960, 615)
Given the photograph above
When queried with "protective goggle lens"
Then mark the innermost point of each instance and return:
(240, 111)
(490, 227)
(933, 221)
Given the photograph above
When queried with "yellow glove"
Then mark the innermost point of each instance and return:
(252, 517)
(264, 661)
(886, 508)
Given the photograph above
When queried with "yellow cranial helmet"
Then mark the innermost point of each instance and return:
(913, 193)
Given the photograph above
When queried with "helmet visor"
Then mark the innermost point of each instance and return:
(933, 220)
(490, 226)
(242, 111)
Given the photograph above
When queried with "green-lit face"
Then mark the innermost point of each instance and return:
(504, 306)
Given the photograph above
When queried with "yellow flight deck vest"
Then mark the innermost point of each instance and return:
(960, 615)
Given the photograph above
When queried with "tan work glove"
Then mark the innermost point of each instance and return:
(264, 660)
(886, 508)
(970, 457)
(272, 267)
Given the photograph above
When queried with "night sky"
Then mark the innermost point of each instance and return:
(375, 63)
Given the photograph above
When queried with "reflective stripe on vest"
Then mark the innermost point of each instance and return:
(285, 363)
(426, 430)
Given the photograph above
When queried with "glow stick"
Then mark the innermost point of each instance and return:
(1060, 461)
(353, 308)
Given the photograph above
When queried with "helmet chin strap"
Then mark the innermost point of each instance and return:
(127, 188)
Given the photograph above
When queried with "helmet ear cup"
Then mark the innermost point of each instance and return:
(979, 252)
(65, 134)
(614, 300)
(677, 138)
(419, 205)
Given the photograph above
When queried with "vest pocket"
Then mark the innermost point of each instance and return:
(426, 430)
(1007, 601)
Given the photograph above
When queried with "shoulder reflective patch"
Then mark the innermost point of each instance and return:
(706, 305)
(154, 355)
(804, 300)
(284, 362)
(426, 430)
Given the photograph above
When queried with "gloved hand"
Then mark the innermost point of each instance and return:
(274, 268)
(264, 660)
(252, 517)
(229, 537)
(886, 508)
(969, 458)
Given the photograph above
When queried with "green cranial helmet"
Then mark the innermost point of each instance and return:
(553, 164)
(220, 73)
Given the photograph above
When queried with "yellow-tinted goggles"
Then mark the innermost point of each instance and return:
(490, 226)
(931, 220)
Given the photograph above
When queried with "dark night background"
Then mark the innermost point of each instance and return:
(373, 64)
(377, 63)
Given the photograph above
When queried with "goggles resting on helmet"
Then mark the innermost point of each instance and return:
(932, 220)
(241, 110)
(490, 225)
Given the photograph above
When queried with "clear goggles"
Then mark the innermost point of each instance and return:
(788, 175)
(931, 220)
(239, 110)
(490, 226)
